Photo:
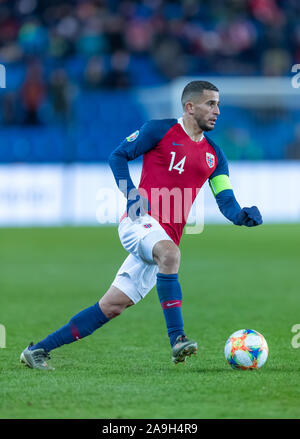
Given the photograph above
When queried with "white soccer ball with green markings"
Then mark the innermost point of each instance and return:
(246, 349)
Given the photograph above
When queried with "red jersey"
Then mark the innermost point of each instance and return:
(174, 169)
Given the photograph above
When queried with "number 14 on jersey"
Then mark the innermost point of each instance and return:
(179, 166)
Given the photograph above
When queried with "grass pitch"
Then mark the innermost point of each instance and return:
(232, 278)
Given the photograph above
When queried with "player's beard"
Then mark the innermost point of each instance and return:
(203, 125)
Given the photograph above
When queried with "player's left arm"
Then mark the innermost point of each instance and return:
(221, 187)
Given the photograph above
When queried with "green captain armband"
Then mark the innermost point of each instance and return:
(219, 183)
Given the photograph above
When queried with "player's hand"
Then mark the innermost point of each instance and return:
(136, 205)
(249, 217)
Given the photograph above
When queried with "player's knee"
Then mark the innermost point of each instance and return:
(170, 259)
(113, 310)
(113, 303)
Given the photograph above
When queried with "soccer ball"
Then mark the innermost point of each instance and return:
(246, 349)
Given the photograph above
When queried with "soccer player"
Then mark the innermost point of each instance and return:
(178, 158)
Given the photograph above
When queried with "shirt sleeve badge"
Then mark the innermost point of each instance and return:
(133, 136)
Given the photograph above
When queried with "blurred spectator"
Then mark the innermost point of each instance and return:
(115, 28)
(33, 37)
(170, 59)
(118, 76)
(33, 93)
(265, 11)
(9, 28)
(94, 74)
(92, 40)
(60, 94)
(139, 36)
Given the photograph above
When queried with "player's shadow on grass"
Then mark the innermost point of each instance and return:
(211, 369)
(281, 369)
(252, 371)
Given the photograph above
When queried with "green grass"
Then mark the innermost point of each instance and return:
(232, 278)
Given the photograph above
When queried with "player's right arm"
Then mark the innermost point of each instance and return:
(132, 147)
(138, 143)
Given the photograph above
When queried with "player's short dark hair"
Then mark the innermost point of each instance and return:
(195, 87)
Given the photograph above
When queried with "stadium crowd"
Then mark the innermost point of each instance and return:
(110, 44)
(182, 36)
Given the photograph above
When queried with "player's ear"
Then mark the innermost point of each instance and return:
(189, 107)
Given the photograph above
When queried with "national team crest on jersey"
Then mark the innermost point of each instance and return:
(132, 136)
(210, 159)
